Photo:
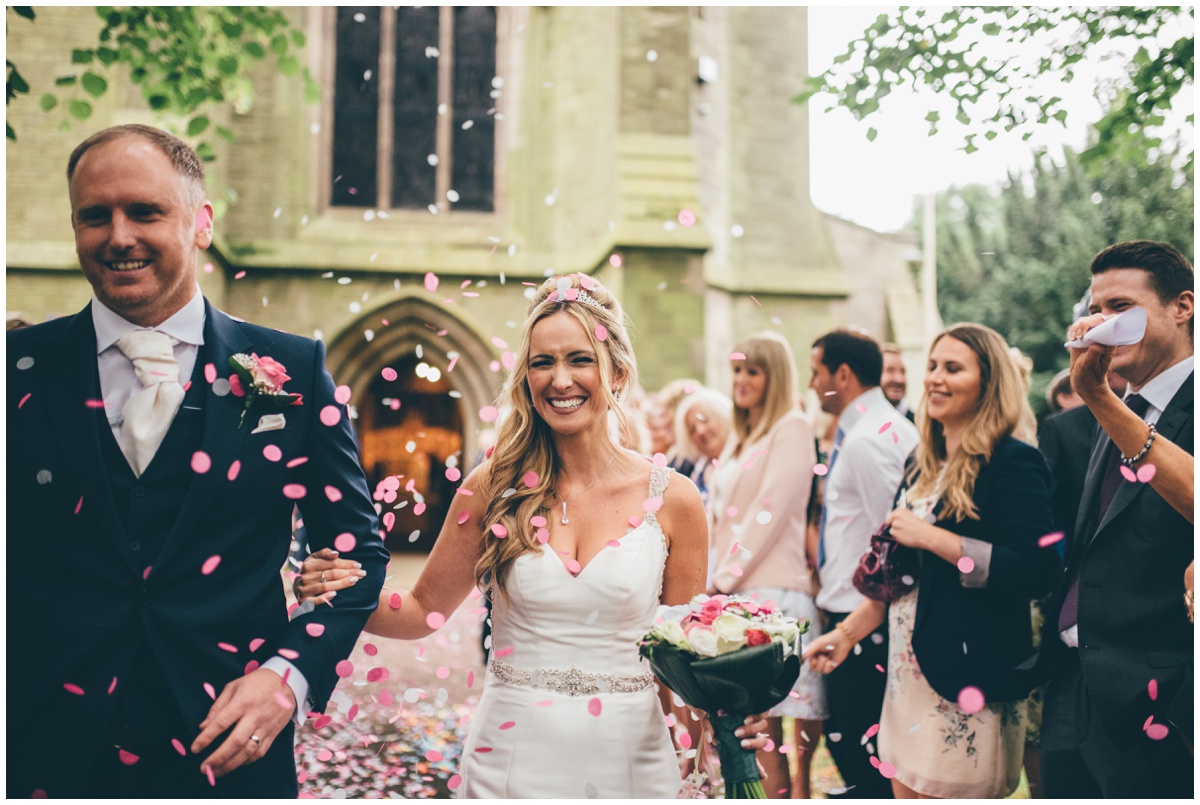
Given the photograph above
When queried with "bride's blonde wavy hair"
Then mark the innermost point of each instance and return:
(1002, 407)
(525, 442)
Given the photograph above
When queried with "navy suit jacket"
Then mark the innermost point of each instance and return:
(1065, 438)
(1133, 625)
(978, 636)
(81, 605)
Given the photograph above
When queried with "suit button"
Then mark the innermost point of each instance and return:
(139, 491)
(134, 545)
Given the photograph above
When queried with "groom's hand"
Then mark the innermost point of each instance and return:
(256, 706)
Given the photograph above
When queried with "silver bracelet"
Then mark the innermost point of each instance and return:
(1129, 462)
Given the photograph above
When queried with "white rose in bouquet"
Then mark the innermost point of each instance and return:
(672, 633)
(730, 631)
(702, 641)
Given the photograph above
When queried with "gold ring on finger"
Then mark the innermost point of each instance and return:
(322, 576)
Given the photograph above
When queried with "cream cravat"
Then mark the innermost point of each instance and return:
(149, 412)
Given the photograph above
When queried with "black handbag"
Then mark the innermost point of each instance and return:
(888, 570)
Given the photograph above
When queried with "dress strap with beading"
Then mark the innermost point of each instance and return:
(659, 478)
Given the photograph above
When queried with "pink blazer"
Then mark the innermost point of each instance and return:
(770, 480)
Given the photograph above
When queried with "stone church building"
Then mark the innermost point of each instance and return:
(488, 148)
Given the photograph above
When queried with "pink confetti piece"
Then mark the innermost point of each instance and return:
(880, 668)
(871, 731)
(342, 394)
(38, 793)
(127, 757)
(686, 217)
(146, 572)
(208, 772)
(489, 413)
(507, 725)
(876, 762)
(232, 649)
(454, 782)
(685, 740)
(594, 706)
(601, 332)
(388, 374)
(887, 770)
(574, 567)
(737, 356)
(463, 516)
(379, 674)
(288, 653)
(1153, 689)
(294, 491)
(1156, 732)
(112, 686)
(324, 755)
(470, 679)
(370, 649)
(331, 415)
(71, 687)
(389, 520)
(652, 504)
(395, 600)
(966, 564)
(93, 404)
(895, 438)
(435, 620)
(732, 511)
(210, 690)
(431, 282)
(333, 493)
(660, 460)
(450, 366)
(256, 644)
(542, 535)
(499, 342)
(175, 742)
(613, 543)
(735, 571)
(250, 668)
(530, 479)
(272, 452)
(210, 564)
(210, 372)
(635, 521)
(1146, 474)
(970, 700)
(344, 542)
(315, 629)
(419, 509)
(453, 474)
(483, 750)
(234, 469)
(820, 469)
(235, 386)
(537, 521)
(297, 461)
(25, 399)
(433, 756)
(885, 426)
(1128, 474)
(1050, 539)
(443, 672)
(344, 669)
(79, 505)
(499, 531)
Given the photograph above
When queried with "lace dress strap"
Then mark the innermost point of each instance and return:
(660, 477)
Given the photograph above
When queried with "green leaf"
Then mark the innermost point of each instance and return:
(933, 117)
(106, 55)
(289, 65)
(312, 89)
(871, 135)
(158, 101)
(48, 102)
(16, 81)
(991, 28)
(197, 125)
(224, 133)
(232, 30)
(254, 49)
(80, 110)
(82, 56)
(94, 84)
(228, 65)
(298, 38)
(27, 13)
(279, 44)
(8, 132)
(65, 80)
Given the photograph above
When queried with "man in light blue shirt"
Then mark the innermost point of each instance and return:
(871, 443)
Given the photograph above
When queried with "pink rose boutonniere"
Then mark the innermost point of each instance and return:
(255, 377)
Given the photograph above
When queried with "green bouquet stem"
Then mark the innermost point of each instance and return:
(739, 767)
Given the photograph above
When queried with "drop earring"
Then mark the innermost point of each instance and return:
(617, 395)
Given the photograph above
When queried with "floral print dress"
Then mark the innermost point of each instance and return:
(930, 744)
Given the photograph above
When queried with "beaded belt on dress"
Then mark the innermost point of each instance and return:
(572, 682)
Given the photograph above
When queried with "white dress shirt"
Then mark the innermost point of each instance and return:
(118, 382)
(859, 491)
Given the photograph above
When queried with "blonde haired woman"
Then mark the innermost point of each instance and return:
(975, 502)
(758, 513)
(558, 527)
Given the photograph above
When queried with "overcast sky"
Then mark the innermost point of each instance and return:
(874, 183)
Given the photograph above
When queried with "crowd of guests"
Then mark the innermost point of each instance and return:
(939, 692)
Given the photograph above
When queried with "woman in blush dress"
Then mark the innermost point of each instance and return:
(974, 503)
(758, 517)
(576, 541)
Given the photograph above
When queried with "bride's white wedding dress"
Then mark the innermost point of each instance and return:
(569, 709)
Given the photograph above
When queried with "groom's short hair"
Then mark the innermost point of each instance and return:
(184, 159)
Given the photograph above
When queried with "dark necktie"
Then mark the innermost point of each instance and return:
(1068, 616)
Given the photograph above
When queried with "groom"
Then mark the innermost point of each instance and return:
(150, 652)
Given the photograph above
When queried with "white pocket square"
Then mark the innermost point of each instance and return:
(270, 422)
(1121, 330)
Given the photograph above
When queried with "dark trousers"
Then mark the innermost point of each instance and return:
(1080, 760)
(854, 692)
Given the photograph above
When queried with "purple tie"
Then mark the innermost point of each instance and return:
(1068, 616)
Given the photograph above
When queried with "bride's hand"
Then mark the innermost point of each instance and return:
(323, 574)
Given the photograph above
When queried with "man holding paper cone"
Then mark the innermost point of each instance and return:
(1117, 641)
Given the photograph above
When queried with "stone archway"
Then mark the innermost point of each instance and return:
(425, 417)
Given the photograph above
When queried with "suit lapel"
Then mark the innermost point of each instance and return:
(1173, 418)
(222, 439)
(70, 379)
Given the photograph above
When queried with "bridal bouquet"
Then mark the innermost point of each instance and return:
(732, 657)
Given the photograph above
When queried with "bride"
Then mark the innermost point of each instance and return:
(576, 542)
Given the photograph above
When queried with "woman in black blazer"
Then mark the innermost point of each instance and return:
(975, 502)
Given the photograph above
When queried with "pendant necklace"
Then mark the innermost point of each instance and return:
(564, 519)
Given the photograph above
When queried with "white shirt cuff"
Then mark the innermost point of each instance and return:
(295, 681)
(980, 554)
(1070, 635)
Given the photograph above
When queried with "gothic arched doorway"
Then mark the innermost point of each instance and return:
(414, 424)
